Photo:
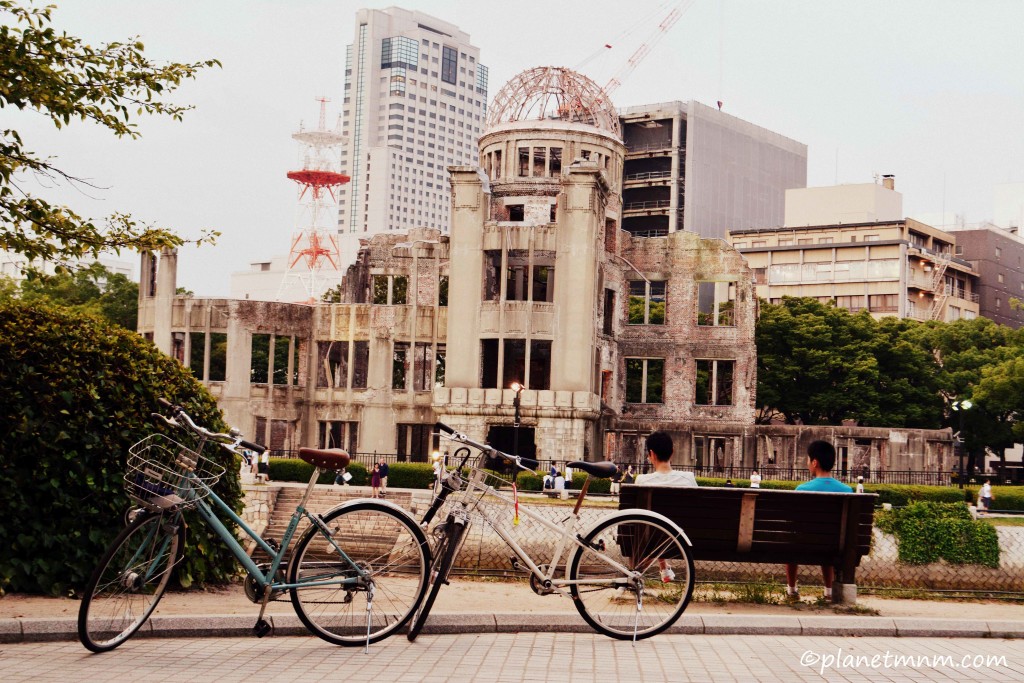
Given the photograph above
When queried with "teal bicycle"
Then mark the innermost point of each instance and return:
(355, 576)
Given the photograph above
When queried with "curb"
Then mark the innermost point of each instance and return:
(34, 630)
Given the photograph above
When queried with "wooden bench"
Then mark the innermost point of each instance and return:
(768, 526)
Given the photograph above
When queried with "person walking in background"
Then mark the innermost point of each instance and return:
(628, 477)
(985, 498)
(755, 480)
(860, 484)
(616, 478)
(383, 478)
(375, 481)
(821, 458)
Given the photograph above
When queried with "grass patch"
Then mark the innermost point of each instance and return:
(1004, 521)
(757, 593)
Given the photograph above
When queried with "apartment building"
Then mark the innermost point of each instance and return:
(692, 167)
(876, 262)
(415, 102)
(998, 257)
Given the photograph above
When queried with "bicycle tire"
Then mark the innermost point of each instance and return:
(613, 603)
(130, 579)
(381, 538)
(441, 566)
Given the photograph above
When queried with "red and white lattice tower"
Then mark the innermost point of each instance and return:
(313, 261)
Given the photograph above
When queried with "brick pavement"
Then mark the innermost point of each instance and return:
(517, 657)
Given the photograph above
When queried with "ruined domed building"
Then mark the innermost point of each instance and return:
(537, 323)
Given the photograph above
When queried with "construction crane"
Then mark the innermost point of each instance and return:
(668, 22)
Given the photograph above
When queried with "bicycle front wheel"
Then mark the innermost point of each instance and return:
(380, 542)
(650, 594)
(444, 558)
(130, 580)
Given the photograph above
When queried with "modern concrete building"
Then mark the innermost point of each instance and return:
(415, 102)
(692, 167)
(878, 262)
(997, 255)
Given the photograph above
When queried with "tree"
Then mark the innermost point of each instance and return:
(64, 78)
(818, 364)
(815, 363)
(970, 354)
(93, 290)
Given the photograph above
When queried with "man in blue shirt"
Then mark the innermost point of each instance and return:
(821, 458)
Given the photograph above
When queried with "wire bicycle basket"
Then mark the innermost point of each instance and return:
(162, 472)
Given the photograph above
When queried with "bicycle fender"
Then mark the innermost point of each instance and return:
(644, 513)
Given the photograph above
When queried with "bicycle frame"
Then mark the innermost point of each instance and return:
(471, 498)
(276, 556)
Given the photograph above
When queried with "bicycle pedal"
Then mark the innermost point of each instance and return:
(262, 628)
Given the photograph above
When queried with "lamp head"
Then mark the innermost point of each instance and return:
(516, 387)
(436, 456)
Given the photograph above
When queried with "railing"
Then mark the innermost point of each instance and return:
(640, 206)
(648, 176)
(651, 146)
(767, 472)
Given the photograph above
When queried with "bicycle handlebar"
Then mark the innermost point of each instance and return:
(230, 440)
(522, 463)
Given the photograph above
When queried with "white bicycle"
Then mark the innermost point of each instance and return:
(630, 575)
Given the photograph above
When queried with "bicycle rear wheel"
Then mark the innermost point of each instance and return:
(130, 580)
(383, 542)
(441, 565)
(655, 591)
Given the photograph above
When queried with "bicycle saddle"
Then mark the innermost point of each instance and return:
(601, 470)
(325, 458)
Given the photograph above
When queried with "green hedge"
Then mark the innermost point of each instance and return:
(528, 481)
(1006, 497)
(77, 393)
(928, 531)
(293, 469)
(402, 475)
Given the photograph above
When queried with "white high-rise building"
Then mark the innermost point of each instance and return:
(415, 103)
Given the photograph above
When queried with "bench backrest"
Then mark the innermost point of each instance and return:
(763, 525)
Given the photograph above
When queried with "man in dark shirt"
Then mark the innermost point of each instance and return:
(383, 478)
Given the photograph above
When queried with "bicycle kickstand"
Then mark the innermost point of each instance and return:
(263, 627)
(369, 616)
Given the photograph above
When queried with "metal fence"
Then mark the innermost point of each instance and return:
(742, 474)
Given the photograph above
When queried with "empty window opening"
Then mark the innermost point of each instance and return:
(645, 380)
(714, 382)
(360, 364)
(609, 311)
(390, 289)
(647, 302)
(332, 364)
(714, 304)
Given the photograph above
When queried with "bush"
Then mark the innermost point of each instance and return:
(411, 475)
(929, 531)
(77, 393)
(293, 469)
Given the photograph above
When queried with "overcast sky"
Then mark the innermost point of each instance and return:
(929, 90)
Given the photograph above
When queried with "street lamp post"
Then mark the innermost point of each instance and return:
(961, 407)
(518, 388)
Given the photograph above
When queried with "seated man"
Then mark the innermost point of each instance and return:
(659, 452)
(821, 457)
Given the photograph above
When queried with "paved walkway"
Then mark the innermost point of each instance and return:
(513, 657)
